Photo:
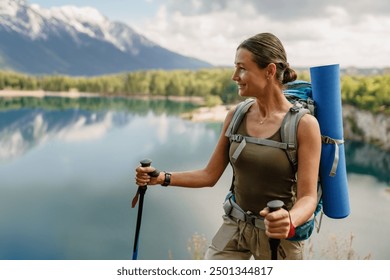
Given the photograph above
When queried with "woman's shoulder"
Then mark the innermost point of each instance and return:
(308, 120)
(232, 111)
(308, 127)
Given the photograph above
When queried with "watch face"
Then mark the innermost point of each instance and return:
(167, 179)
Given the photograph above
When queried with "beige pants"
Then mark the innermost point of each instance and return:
(238, 240)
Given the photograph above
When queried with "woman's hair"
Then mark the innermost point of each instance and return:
(266, 48)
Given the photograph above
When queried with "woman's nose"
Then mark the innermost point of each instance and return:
(235, 76)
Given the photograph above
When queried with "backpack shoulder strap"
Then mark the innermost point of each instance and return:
(238, 115)
(289, 129)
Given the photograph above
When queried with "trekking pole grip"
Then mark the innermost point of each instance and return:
(142, 189)
(274, 205)
(146, 163)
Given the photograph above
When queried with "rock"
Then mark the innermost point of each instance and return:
(367, 127)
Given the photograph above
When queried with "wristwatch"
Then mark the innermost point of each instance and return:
(167, 179)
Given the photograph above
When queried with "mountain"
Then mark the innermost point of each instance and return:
(77, 41)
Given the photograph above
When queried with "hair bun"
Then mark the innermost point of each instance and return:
(289, 75)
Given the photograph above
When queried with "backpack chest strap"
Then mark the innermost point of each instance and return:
(238, 138)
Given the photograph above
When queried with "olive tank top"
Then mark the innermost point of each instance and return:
(261, 174)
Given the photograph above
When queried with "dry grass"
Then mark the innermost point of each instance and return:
(197, 246)
(335, 249)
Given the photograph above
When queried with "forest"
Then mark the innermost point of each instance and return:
(370, 93)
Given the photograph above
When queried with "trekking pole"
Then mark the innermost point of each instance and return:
(274, 205)
(140, 194)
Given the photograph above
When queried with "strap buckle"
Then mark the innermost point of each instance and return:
(296, 107)
(250, 218)
(237, 138)
(290, 146)
(327, 140)
(336, 142)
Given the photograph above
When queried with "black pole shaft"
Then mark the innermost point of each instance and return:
(141, 191)
(139, 219)
(274, 205)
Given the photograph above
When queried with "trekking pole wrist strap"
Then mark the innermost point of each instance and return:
(291, 232)
(167, 179)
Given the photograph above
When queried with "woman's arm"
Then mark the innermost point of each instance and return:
(309, 153)
(206, 177)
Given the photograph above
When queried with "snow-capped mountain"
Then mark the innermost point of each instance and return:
(77, 41)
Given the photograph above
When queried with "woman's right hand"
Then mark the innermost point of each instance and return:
(143, 177)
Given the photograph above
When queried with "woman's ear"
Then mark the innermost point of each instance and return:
(270, 70)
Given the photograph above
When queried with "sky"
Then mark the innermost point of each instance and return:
(314, 32)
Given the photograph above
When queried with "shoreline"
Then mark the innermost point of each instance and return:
(41, 93)
(208, 114)
(202, 114)
(76, 94)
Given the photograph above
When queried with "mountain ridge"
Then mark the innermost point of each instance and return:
(77, 41)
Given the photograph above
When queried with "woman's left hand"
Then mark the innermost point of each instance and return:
(277, 223)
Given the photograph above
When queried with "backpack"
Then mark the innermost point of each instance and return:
(299, 93)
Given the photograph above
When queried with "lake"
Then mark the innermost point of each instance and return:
(67, 181)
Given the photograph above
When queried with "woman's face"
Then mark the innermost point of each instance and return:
(250, 79)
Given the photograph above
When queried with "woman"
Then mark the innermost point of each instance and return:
(261, 172)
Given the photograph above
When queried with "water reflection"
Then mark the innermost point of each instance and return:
(66, 180)
(367, 159)
(25, 122)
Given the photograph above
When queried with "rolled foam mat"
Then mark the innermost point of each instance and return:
(327, 96)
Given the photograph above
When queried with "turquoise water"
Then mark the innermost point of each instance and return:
(67, 180)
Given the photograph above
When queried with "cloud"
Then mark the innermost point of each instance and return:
(82, 130)
(284, 10)
(352, 33)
